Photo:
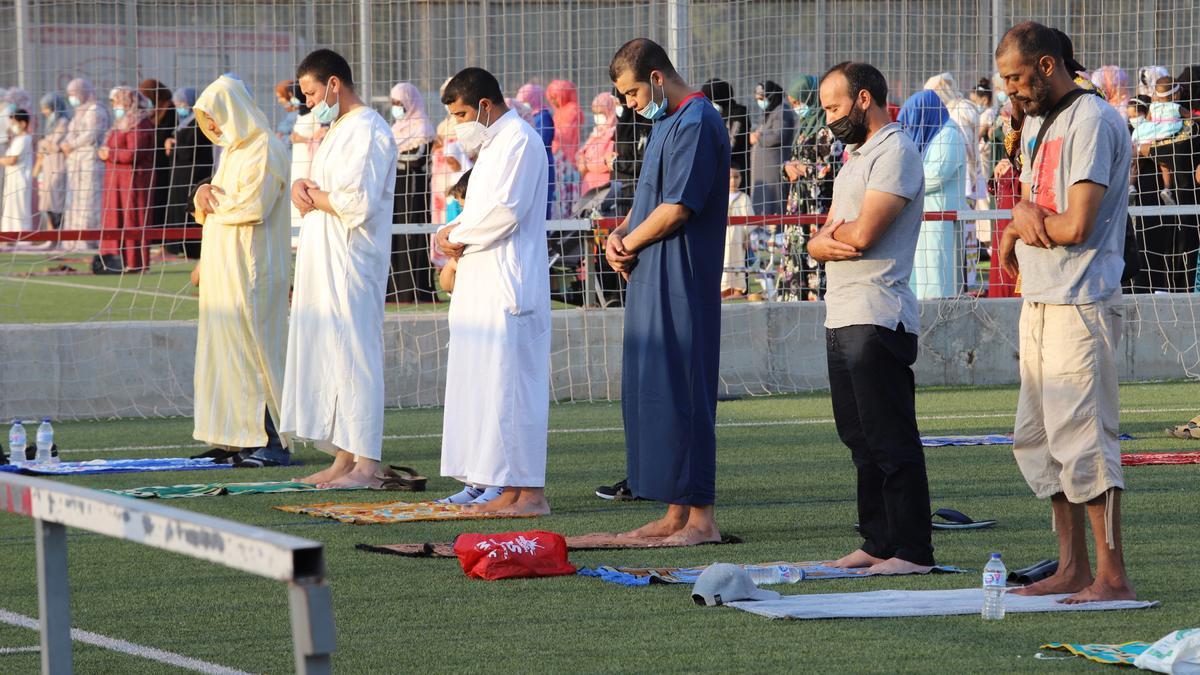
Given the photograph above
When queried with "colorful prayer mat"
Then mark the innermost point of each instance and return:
(810, 571)
(987, 439)
(368, 513)
(1150, 458)
(1123, 654)
(116, 466)
(219, 489)
(587, 542)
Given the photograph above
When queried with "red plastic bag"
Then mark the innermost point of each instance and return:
(513, 555)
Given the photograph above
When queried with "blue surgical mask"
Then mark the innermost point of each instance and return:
(182, 111)
(10, 108)
(118, 112)
(655, 111)
(397, 112)
(1001, 98)
(762, 103)
(74, 101)
(801, 109)
(326, 113)
(294, 101)
(1136, 122)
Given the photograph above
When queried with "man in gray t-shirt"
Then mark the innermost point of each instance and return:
(871, 328)
(1067, 240)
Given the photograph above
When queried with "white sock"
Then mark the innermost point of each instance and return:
(488, 495)
(466, 496)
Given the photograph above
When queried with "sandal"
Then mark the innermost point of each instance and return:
(218, 455)
(1189, 431)
(957, 520)
(400, 478)
(1035, 572)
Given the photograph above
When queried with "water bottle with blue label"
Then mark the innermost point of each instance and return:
(995, 578)
(16, 443)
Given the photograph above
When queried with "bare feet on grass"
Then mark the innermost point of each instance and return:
(855, 560)
(343, 463)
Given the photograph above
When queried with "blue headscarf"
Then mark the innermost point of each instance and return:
(57, 105)
(922, 116)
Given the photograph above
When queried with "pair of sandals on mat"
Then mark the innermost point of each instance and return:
(949, 519)
(1189, 430)
(249, 458)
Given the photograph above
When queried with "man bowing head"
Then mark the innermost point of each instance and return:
(498, 365)
(333, 383)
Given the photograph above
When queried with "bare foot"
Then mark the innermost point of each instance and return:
(355, 478)
(691, 536)
(859, 558)
(663, 527)
(529, 504)
(503, 502)
(333, 472)
(1101, 590)
(1055, 584)
(898, 566)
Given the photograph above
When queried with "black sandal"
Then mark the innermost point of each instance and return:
(1035, 572)
(957, 520)
(401, 478)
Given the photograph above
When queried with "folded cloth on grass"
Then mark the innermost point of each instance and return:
(218, 489)
(1148, 458)
(116, 466)
(986, 439)
(811, 570)
(369, 513)
(1122, 654)
(587, 542)
(915, 603)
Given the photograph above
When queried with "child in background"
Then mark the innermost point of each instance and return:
(17, 209)
(456, 197)
(1165, 118)
(733, 283)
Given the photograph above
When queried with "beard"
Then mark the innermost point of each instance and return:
(1038, 102)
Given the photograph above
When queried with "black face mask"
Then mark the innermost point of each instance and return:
(851, 129)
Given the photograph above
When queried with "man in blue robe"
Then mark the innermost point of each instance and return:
(670, 249)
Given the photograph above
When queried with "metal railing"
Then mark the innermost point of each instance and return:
(56, 506)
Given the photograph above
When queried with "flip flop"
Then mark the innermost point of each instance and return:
(1189, 431)
(400, 478)
(957, 520)
(1035, 572)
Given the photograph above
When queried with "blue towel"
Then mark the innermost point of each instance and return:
(644, 576)
(988, 439)
(116, 466)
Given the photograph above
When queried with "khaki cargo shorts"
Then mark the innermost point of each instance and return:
(1065, 438)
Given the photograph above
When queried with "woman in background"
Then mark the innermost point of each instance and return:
(51, 168)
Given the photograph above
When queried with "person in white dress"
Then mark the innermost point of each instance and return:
(16, 212)
(333, 380)
(498, 365)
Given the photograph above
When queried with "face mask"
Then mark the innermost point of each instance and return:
(14, 129)
(471, 134)
(183, 112)
(762, 104)
(397, 112)
(118, 112)
(325, 113)
(295, 102)
(851, 129)
(655, 111)
(599, 119)
(801, 109)
(1136, 122)
(74, 101)
(1001, 98)
(619, 110)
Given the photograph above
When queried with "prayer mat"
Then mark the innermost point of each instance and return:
(587, 542)
(1149, 458)
(880, 604)
(368, 513)
(1118, 655)
(988, 439)
(116, 466)
(810, 571)
(218, 489)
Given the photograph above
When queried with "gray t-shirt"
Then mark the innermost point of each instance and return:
(1086, 142)
(873, 289)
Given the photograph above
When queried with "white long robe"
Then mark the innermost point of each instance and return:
(333, 383)
(498, 365)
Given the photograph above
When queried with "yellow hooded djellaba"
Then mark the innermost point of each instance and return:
(245, 273)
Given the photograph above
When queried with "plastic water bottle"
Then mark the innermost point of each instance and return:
(995, 578)
(16, 443)
(45, 441)
(762, 575)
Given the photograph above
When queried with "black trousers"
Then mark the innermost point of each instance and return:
(874, 405)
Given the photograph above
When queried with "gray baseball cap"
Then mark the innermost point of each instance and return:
(723, 583)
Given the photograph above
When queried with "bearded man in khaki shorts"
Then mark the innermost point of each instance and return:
(1067, 239)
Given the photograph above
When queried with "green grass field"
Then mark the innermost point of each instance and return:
(785, 485)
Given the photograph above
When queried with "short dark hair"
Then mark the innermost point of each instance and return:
(324, 64)
(1033, 41)
(21, 115)
(1140, 104)
(472, 85)
(640, 55)
(861, 76)
(459, 189)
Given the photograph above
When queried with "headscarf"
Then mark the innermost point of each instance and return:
(184, 95)
(1147, 76)
(533, 96)
(20, 98)
(136, 106)
(414, 129)
(1113, 83)
(567, 118)
(227, 103)
(59, 109)
(720, 92)
(156, 92)
(82, 89)
(922, 116)
(523, 109)
(1189, 83)
(945, 87)
(605, 102)
(773, 93)
(805, 90)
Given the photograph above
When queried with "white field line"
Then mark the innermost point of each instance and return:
(133, 649)
(88, 287)
(733, 425)
(20, 650)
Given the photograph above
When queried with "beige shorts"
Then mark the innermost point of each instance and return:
(1068, 411)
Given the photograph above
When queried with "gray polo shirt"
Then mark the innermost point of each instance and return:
(873, 289)
(1086, 142)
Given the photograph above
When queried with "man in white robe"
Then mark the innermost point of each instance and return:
(333, 381)
(498, 367)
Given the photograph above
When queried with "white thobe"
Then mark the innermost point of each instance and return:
(333, 382)
(16, 212)
(498, 365)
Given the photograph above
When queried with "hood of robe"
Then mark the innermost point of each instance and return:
(228, 104)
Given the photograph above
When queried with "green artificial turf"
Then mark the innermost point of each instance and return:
(785, 484)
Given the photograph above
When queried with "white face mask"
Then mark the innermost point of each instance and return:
(600, 119)
(619, 111)
(397, 112)
(472, 134)
(14, 129)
